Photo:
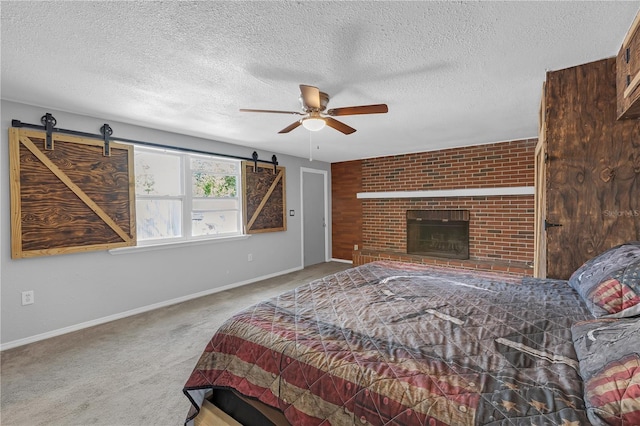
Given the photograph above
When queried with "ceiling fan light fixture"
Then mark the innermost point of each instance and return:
(314, 124)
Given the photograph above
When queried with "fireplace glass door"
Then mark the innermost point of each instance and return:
(438, 233)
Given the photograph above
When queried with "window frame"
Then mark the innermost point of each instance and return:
(187, 198)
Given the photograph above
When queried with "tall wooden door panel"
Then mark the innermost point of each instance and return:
(593, 167)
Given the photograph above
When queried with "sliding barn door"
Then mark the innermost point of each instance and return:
(593, 167)
(68, 196)
(264, 198)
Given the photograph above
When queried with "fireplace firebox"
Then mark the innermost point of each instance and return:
(438, 233)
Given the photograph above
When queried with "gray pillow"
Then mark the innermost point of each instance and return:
(609, 358)
(610, 282)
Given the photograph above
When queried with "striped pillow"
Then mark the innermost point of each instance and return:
(619, 292)
(610, 282)
(609, 357)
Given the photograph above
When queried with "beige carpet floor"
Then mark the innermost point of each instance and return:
(126, 372)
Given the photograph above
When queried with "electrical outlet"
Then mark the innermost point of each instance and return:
(355, 247)
(250, 257)
(27, 297)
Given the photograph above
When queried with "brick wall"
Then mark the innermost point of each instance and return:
(482, 166)
(501, 227)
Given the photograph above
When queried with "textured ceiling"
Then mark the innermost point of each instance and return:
(452, 73)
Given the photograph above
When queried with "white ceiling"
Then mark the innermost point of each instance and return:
(452, 73)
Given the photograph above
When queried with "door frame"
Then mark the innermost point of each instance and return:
(540, 201)
(540, 198)
(325, 183)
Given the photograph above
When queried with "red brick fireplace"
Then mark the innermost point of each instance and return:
(493, 182)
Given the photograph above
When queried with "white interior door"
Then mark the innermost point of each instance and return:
(314, 216)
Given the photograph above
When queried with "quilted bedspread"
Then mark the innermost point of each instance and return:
(390, 343)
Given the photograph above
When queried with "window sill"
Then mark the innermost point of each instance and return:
(177, 244)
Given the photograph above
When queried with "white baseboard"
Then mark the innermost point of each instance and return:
(98, 321)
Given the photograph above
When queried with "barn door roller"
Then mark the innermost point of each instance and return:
(49, 122)
(106, 131)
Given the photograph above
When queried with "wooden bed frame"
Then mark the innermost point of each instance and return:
(210, 415)
(215, 409)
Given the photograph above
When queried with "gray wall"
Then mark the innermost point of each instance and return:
(76, 290)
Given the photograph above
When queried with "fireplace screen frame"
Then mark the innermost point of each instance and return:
(430, 242)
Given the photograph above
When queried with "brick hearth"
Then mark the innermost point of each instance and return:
(360, 257)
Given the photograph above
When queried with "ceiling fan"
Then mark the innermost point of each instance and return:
(314, 118)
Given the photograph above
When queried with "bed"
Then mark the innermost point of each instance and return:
(391, 343)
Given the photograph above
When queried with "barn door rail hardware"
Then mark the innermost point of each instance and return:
(106, 132)
(274, 161)
(49, 123)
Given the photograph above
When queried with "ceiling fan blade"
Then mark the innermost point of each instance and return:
(310, 96)
(355, 110)
(271, 111)
(339, 126)
(291, 126)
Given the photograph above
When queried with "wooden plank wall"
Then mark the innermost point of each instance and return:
(593, 168)
(346, 209)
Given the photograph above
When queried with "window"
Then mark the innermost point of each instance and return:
(182, 196)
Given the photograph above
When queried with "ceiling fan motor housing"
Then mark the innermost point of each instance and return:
(324, 101)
